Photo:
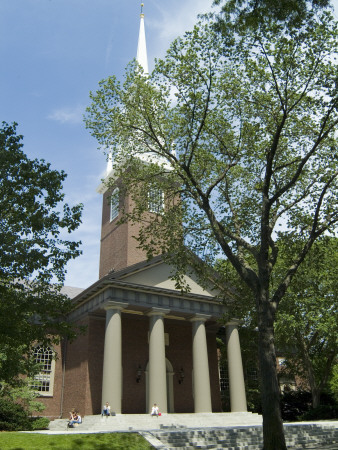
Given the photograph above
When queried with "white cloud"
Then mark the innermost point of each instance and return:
(72, 115)
(173, 22)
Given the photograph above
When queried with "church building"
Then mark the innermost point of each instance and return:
(144, 342)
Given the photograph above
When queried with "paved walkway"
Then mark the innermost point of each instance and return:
(323, 447)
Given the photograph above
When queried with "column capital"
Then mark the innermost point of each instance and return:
(158, 312)
(199, 318)
(110, 304)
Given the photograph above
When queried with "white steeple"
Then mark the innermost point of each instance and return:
(141, 56)
(142, 59)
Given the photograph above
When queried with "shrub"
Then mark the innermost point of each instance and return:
(323, 412)
(5, 426)
(334, 382)
(40, 423)
(253, 397)
(294, 404)
(13, 416)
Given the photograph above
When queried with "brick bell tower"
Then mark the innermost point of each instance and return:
(118, 247)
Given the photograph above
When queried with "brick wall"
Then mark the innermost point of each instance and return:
(118, 247)
(135, 353)
(76, 375)
(179, 353)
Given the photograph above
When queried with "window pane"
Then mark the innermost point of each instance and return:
(114, 204)
(155, 200)
(44, 357)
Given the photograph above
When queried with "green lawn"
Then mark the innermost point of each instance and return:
(99, 441)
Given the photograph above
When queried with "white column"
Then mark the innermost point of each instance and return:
(235, 368)
(112, 358)
(201, 376)
(157, 365)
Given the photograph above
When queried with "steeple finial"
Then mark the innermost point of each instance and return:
(141, 56)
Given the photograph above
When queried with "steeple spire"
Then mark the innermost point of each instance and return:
(141, 56)
(142, 59)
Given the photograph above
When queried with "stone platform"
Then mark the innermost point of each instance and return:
(137, 422)
(230, 431)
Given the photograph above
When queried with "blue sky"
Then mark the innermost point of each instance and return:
(53, 53)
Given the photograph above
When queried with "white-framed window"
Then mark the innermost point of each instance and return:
(155, 200)
(114, 204)
(43, 382)
(223, 378)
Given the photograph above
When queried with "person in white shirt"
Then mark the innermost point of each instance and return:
(75, 418)
(154, 410)
(106, 409)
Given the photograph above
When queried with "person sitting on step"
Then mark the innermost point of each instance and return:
(155, 411)
(75, 419)
(106, 410)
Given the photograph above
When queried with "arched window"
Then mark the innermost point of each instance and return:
(114, 204)
(44, 381)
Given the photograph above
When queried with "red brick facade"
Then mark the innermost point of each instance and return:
(118, 247)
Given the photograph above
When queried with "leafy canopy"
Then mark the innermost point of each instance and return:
(258, 13)
(306, 325)
(33, 254)
(244, 135)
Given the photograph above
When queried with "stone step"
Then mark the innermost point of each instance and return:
(145, 421)
(249, 438)
(206, 431)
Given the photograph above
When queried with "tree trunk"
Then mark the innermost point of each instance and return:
(273, 432)
(315, 397)
(315, 390)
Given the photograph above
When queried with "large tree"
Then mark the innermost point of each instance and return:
(243, 134)
(257, 13)
(306, 326)
(33, 255)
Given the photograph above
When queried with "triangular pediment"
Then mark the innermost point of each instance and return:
(158, 275)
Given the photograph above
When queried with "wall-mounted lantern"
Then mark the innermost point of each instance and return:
(181, 376)
(138, 374)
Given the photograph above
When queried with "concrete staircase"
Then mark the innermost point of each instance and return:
(242, 438)
(231, 431)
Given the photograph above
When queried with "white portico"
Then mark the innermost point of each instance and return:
(169, 341)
